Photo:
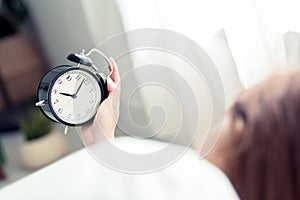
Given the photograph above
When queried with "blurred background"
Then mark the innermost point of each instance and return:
(246, 40)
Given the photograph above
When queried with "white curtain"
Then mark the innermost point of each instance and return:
(254, 28)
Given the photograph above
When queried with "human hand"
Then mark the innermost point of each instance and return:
(105, 121)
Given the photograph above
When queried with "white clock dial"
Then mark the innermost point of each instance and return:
(75, 96)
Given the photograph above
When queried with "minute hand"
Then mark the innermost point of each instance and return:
(79, 87)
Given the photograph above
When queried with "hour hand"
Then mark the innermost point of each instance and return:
(66, 94)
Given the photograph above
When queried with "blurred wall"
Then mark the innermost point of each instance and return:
(66, 26)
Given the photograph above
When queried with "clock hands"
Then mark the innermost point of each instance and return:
(66, 94)
(79, 87)
(75, 94)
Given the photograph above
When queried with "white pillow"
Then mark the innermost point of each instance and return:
(219, 51)
(292, 48)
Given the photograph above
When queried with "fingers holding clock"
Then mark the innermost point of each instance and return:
(115, 71)
(106, 118)
(114, 78)
(114, 89)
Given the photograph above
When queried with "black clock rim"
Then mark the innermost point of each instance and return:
(54, 119)
(70, 68)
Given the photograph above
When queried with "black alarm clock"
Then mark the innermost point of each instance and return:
(70, 94)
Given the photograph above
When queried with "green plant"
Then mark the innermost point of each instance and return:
(35, 125)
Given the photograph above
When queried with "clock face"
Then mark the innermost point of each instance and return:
(75, 97)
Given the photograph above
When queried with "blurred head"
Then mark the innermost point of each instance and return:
(259, 148)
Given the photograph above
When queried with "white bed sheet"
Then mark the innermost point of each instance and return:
(79, 176)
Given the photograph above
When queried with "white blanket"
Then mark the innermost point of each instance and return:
(79, 176)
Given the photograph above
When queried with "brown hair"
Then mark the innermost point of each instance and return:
(261, 151)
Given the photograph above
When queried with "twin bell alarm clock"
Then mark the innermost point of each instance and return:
(70, 94)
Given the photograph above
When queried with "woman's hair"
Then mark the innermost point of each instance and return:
(261, 151)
